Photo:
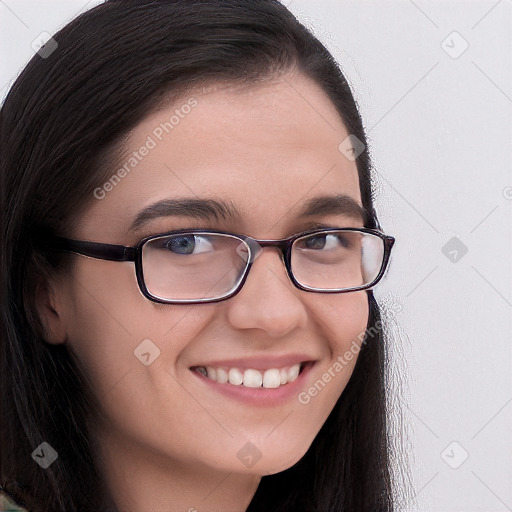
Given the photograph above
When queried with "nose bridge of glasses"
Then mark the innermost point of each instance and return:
(256, 248)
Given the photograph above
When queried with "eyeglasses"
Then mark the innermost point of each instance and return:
(191, 266)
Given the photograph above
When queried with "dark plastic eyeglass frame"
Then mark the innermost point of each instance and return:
(114, 252)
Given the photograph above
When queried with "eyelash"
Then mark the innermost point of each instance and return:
(310, 227)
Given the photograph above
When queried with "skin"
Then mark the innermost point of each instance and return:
(168, 442)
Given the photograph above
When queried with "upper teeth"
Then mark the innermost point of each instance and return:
(272, 378)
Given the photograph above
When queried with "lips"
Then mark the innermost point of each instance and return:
(270, 378)
(257, 372)
(253, 381)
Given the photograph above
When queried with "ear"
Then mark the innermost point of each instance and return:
(50, 311)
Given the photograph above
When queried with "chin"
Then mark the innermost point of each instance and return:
(271, 459)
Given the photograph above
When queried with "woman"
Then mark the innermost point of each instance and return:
(190, 246)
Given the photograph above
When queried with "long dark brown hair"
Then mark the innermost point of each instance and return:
(60, 128)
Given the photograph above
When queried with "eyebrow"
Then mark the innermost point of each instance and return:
(209, 209)
(334, 205)
(202, 209)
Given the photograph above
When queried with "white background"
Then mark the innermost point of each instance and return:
(439, 124)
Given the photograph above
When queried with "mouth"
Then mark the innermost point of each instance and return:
(270, 378)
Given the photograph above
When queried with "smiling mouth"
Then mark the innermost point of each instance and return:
(270, 379)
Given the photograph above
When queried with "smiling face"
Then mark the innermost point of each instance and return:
(265, 153)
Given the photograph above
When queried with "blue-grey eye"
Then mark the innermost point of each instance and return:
(188, 244)
(326, 241)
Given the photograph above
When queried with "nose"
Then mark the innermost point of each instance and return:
(268, 300)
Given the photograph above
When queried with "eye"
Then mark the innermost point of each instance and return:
(328, 241)
(188, 244)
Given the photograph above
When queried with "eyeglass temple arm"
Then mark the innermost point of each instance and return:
(109, 252)
(389, 241)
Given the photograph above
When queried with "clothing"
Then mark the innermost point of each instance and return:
(8, 505)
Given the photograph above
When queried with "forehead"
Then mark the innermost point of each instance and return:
(266, 149)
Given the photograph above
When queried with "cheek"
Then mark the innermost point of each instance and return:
(115, 331)
(343, 321)
(342, 318)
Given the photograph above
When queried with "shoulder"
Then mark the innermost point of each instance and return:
(7, 504)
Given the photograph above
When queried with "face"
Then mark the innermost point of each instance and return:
(265, 151)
